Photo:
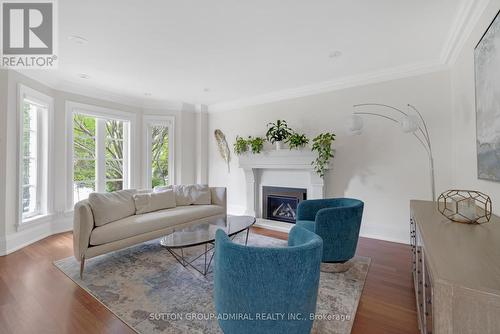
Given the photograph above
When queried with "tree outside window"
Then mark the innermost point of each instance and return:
(159, 155)
(86, 159)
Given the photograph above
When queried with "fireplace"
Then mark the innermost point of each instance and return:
(280, 203)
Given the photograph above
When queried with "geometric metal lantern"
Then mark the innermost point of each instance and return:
(465, 206)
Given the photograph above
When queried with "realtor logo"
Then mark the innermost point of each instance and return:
(28, 34)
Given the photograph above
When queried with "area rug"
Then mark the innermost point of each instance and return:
(152, 293)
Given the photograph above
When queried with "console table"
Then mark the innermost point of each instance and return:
(456, 272)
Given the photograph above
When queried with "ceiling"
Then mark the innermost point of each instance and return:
(215, 51)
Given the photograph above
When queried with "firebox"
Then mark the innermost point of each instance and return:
(280, 203)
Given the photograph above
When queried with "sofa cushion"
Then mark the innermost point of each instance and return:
(158, 189)
(192, 194)
(149, 202)
(153, 221)
(109, 207)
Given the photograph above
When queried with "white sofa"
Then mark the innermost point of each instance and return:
(93, 236)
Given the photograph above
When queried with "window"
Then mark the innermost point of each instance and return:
(115, 155)
(100, 150)
(30, 188)
(159, 155)
(34, 148)
(84, 156)
(159, 150)
(98, 144)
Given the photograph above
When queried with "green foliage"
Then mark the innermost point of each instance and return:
(114, 155)
(84, 134)
(278, 131)
(296, 140)
(84, 131)
(240, 146)
(323, 145)
(159, 156)
(256, 144)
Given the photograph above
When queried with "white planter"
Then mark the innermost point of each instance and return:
(278, 145)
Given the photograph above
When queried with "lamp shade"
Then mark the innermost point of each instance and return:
(409, 124)
(355, 124)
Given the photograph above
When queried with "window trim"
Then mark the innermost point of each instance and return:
(130, 169)
(45, 147)
(168, 121)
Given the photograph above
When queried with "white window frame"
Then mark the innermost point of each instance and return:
(159, 120)
(45, 151)
(101, 113)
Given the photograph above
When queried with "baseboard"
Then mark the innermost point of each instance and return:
(285, 227)
(15, 241)
(384, 238)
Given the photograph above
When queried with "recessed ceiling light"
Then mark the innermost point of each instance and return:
(335, 54)
(83, 76)
(147, 94)
(78, 39)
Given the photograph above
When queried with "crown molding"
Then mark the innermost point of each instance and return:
(466, 19)
(332, 85)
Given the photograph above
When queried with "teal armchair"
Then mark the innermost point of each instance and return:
(337, 221)
(253, 281)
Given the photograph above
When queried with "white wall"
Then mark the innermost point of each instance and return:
(12, 237)
(383, 167)
(465, 153)
(3, 148)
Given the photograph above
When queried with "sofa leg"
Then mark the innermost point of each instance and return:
(82, 266)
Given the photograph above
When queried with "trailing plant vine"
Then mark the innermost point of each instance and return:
(323, 145)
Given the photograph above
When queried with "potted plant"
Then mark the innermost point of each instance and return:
(240, 146)
(278, 132)
(297, 141)
(256, 144)
(323, 145)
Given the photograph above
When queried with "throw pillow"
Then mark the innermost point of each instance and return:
(109, 207)
(149, 202)
(193, 194)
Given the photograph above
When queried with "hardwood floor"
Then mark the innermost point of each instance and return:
(35, 297)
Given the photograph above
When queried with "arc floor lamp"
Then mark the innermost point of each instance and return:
(410, 122)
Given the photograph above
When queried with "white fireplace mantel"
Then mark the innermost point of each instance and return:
(283, 160)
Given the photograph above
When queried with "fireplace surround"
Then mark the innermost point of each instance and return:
(280, 203)
(284, 168)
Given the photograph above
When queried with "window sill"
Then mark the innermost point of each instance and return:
(35, 220)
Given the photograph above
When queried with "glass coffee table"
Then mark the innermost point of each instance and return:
(203, 234)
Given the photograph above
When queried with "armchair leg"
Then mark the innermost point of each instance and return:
(82, 266)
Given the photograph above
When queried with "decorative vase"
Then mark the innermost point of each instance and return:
(278, 145)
